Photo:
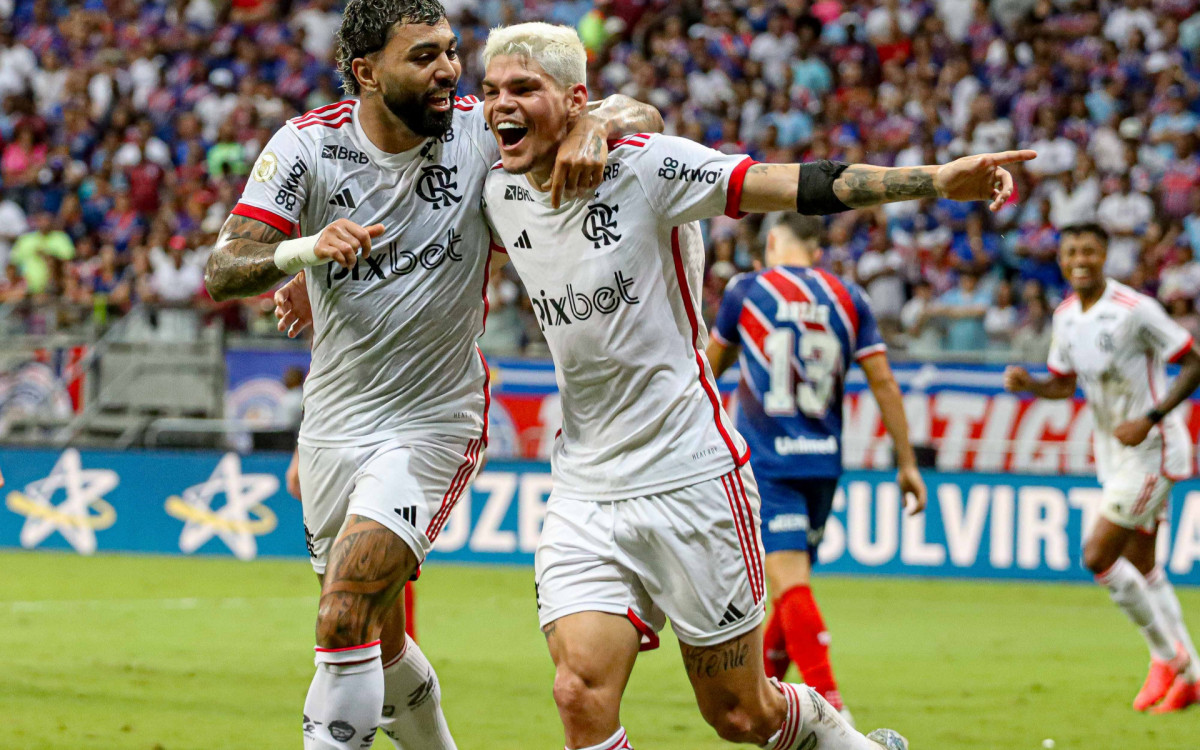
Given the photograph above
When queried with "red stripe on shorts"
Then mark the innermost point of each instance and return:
(740, 524)
(461, 479)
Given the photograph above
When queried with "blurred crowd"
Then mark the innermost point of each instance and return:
(127, 130)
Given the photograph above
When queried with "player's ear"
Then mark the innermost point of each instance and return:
(578, 100)
(364, 71)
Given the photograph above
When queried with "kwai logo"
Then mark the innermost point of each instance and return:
(672, 170)
(574, 306)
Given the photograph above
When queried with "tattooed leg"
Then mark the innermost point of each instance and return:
(731, 689)
(368, 567)
(593, 655)
(738, 700)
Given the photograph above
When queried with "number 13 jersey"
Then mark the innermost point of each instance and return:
(800, 329)
(615, 282)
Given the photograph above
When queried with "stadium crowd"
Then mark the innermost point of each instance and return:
(128, 128)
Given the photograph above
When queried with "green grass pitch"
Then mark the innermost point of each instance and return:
(146, 653)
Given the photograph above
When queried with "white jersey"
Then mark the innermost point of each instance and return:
(393, 348)
(1117, 350)
(615, 281)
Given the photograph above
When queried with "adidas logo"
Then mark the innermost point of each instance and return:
(523, 241)
(343, 199)
(732, 615)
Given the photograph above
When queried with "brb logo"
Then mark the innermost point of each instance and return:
(573, 306)
(599, 224)
(672, 169)
(437, 184)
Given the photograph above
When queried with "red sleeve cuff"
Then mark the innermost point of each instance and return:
(1057, 372)
(271, 219)
(733, 193)
(1181, 351)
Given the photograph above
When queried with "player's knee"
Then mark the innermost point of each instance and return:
(341, 624)
(572, 694)
(1097, 559)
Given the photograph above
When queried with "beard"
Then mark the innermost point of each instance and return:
(416, 114)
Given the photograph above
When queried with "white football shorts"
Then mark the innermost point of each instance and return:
(1137, 492)
(408, 484)
(692, 554)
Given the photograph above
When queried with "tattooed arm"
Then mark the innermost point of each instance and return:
(242, 263)
(621, 115)
(774, 187)
(579, 167)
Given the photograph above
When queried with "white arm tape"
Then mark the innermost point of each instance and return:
(293, 256)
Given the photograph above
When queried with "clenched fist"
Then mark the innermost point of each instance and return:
(1017, 379)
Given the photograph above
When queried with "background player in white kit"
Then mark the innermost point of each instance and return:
(1114, 342)
(653, 512)
(387, 188)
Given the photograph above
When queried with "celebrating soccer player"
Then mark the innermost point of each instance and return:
(384, 191)
(1114, 342)
(799, 329)
(654, 513)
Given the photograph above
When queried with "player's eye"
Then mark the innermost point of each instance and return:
(452, 54)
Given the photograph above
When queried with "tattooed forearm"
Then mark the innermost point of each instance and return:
(625, 116)
(710, 661)
(243, 262)
(864, 185)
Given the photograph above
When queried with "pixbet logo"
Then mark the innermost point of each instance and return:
(391, 261)
(672, 169)
(437, 184)
(575, 306)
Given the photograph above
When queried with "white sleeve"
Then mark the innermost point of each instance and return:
(279, 183)
(683, 180)
(1058, 362)
(476, 128)
(1166, 337)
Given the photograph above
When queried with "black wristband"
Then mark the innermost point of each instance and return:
(1155, 415)
(814, 190)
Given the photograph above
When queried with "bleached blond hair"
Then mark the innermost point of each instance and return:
(556, 48)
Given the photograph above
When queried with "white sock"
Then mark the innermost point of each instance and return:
(342, 708)
(1128, 590)
(412, 702)
(1162, 594)
(617, 742)
(812, 723)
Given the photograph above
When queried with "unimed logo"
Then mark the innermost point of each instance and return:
(575, 305)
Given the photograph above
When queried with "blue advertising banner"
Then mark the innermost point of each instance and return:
(977, 525)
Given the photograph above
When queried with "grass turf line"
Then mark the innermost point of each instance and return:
(146, 653)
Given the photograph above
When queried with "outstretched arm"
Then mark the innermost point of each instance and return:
(579, 168)
(828, 187)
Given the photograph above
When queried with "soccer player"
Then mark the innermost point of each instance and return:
(1113, 342)
(383, 191)
(653, 513)
(799, 329)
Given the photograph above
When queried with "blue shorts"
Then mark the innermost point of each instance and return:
(794, 512)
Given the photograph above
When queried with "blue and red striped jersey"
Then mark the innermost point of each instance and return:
(799, 330)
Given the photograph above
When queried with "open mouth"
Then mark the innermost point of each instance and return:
(511, 133)
(440, 102)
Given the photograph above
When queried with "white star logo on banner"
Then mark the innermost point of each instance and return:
(73, 517)
(244, 495)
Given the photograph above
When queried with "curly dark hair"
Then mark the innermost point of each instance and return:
(367, 25)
